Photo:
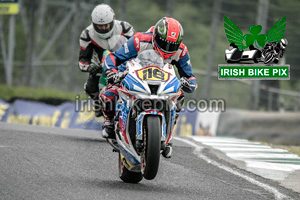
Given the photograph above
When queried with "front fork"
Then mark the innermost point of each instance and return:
(140, 129)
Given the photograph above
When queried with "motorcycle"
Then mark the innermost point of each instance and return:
(271, 55)
(273, 51)
(145, 115)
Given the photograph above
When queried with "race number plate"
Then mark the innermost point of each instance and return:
(152, 73)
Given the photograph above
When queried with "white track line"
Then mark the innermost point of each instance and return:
(235, 145)
(268, 188)
(250, 150)
(240, 156)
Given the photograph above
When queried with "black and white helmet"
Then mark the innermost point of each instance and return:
(283, 43)
(103, 14)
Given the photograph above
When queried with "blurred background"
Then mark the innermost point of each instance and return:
(40, 44)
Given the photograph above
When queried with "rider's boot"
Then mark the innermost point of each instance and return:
(108, 130)
(108, 127)
(167, 152)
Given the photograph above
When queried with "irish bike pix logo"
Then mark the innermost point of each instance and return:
(255, 56)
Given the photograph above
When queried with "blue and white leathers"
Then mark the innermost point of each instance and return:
(150, 88)
(143, 41)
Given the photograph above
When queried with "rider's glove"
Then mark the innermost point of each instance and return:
(120, 76)
(110, 75)
(94, 69)
(115, 77)
(185, 83)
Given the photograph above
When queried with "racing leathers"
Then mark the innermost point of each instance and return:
(93, 49)
(138, 43)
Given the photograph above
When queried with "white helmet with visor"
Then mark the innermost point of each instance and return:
(103, 20)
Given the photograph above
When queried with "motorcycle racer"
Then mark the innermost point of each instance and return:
(277, 49)
(104, 34)
(166, 39)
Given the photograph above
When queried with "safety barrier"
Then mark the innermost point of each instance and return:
(78, 115)
(273, 127)
(38, 113)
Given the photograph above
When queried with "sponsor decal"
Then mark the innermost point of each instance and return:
(152, 73)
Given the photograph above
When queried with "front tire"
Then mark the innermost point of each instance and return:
(152, 142)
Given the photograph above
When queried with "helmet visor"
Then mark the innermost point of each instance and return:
(165, 45)
(103, 28)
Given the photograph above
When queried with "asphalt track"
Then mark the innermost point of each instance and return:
(52, 163)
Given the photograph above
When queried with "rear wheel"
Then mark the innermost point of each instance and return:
(126, 175)
(152, 143)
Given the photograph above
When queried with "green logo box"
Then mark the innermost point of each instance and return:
(253, 72)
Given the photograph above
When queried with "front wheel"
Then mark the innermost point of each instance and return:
(152, 142)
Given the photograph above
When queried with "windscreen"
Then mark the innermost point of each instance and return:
(150, 57)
